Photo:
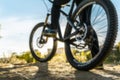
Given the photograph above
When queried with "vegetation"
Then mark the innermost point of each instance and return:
(26, 57)
(114, 56)
(82, 56)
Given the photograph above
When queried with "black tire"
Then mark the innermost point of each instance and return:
(109, 39)
(36, 47)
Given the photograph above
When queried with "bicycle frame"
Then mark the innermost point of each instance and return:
(69, 21)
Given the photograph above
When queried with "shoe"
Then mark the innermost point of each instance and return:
(50, 32)
(100, 67)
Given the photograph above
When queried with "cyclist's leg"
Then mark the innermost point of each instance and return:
(78, 2)
(60, 2)
(55, 14)
(85, 13)
(85, 17)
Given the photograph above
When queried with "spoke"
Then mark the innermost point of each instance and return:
(99, 21)
(97, 14)
(101, 16)
(101, 28)
(100, 35)
(102, 32)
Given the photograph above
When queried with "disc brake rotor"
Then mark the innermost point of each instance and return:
(40, 42)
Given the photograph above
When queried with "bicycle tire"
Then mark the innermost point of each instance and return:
(31, 45)
(109, 40)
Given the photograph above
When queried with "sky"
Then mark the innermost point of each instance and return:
(18, 17)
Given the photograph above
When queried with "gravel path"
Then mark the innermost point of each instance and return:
(56, 71)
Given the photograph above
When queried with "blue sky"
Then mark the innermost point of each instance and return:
(17, 18)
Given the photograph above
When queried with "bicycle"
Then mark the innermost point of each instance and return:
(95, 36)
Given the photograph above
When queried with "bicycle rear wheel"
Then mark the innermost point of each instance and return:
(86, 50)
(42, 47)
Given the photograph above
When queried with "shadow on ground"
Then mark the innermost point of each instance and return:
(53, 71)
